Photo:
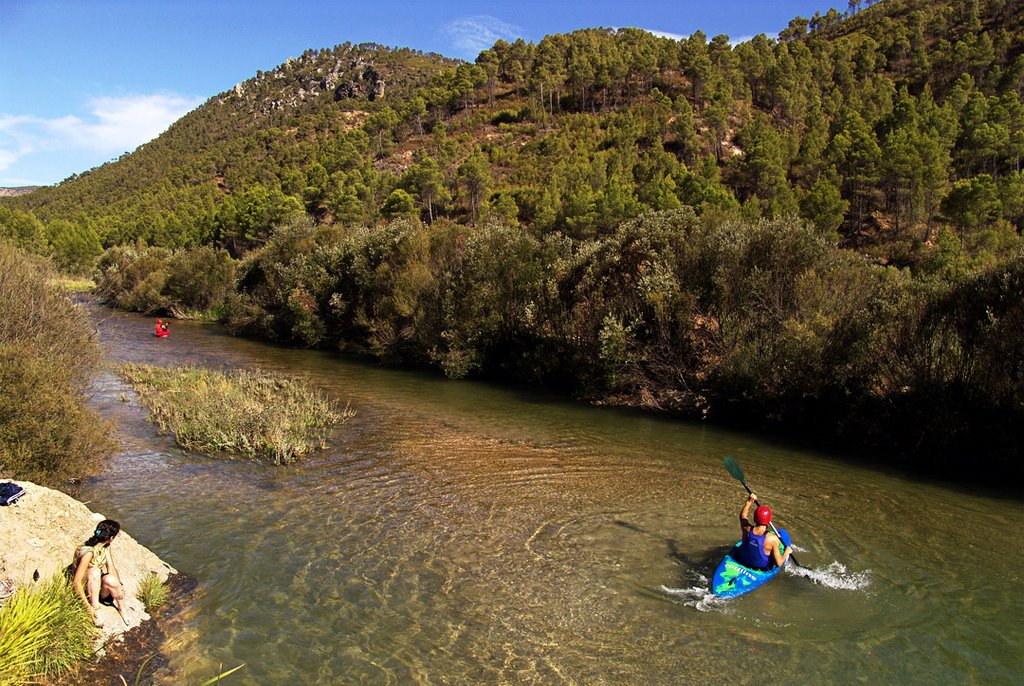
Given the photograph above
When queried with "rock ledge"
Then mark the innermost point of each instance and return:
(40, 533)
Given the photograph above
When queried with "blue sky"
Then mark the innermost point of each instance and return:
(84, 81)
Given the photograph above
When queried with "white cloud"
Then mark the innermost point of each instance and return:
(667, 34)
(471, 35)
(681, 37)
(112, 126)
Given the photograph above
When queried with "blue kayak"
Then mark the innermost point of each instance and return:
(732, 579)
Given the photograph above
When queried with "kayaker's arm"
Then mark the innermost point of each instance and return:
(775, 548)
(745, 524)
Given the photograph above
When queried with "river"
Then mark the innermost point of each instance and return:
(462, 533)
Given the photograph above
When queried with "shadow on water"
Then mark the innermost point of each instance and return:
(702, 562)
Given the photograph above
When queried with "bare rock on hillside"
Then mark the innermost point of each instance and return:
(39, 534)
(8, 192)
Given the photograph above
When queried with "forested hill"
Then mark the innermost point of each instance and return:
(819, 233)
(883, 124)
(256, 141)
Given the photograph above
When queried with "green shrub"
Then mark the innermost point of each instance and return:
(509, 116)
(190, 283)
(490, 303)
(32, 311)
(47, 434)
(199, 279)
(48, 354)
(133, 278)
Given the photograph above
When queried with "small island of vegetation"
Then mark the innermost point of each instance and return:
(251, 413)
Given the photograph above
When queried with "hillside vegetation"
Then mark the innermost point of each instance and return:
(886, 126)
(822, 230)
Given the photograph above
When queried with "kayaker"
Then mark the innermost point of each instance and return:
(162, 329)
(760, 548)
(95, 571)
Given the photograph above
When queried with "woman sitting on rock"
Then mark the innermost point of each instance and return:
(95, 572)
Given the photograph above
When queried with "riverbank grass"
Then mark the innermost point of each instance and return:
(44, 631)
(72, 284)
(249, 413)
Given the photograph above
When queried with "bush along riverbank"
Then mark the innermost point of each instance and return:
(249, 413)
(766, 325)
(48, 354)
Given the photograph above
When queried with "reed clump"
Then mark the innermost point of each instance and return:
(249, 413)
(44, 631)
(152, 593)
(72, 284)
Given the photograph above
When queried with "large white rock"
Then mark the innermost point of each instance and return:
(40, 532)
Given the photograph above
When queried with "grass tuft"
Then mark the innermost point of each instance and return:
(255, 414)
(152, 592)
(69, 284)
(44, 631)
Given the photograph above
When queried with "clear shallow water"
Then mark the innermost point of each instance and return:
(457, 533)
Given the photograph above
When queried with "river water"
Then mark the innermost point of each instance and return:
(460, 533)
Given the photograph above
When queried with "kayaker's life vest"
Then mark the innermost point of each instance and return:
(751, 551)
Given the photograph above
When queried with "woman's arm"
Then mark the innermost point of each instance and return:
(111, 568)
(79, 581)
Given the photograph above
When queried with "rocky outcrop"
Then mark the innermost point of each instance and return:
(39, 534)
(8, 192)
(368, 84)
(345, 73)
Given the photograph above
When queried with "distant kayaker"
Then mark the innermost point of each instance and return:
(162, 329)
(760, 548)
(96, 578)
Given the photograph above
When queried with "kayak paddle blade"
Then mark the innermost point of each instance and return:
(734, 469)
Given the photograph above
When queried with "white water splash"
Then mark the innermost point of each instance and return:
(835, 575)
(699, 597)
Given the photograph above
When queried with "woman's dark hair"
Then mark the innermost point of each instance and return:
(105, 531)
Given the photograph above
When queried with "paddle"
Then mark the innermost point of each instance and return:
(737, 474)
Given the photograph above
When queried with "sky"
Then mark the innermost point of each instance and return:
(84, 81)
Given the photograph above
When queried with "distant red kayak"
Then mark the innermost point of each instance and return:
(163, 334)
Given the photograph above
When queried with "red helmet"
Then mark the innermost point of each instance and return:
(763, 515)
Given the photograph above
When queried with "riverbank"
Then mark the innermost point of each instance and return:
(760, 325)
(137, 656)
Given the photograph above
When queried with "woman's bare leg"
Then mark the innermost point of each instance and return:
(112, 589)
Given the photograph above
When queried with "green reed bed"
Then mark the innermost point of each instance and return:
(249, 413)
